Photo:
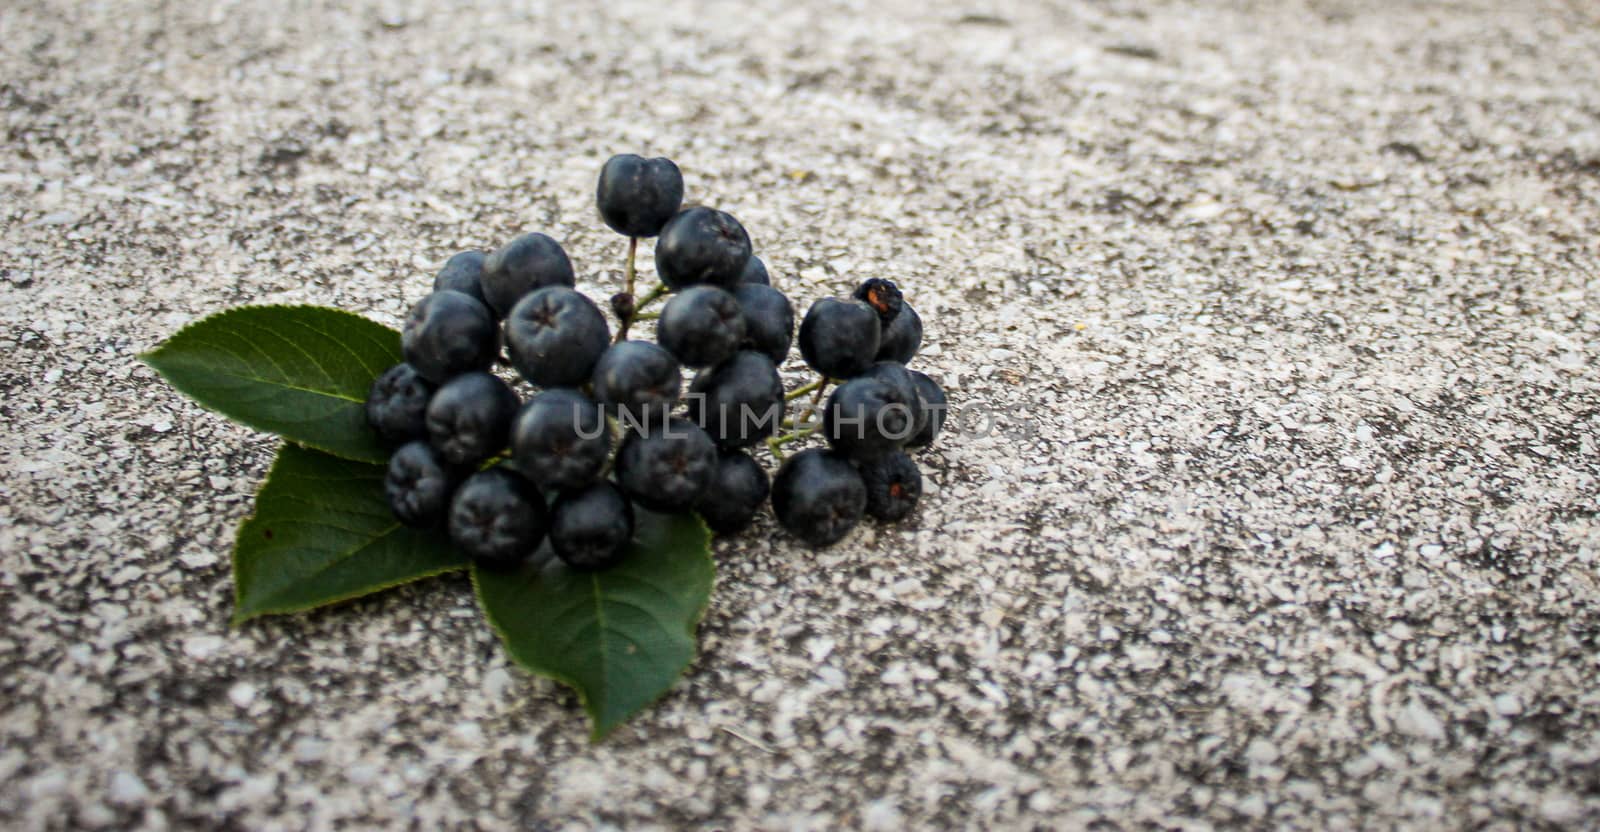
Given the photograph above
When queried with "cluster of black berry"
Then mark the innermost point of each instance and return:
(505, 475)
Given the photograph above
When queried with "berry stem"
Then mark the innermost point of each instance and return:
(659, 292)
(801, 391)
(627, 269)
(646, 316)
(822, 387)
(776, 443)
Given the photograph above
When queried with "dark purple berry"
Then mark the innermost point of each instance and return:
(702, 326)
(667, 467)
(397, 404)
(737, 490)
(447, 334)
(592, 527)
(469, 419)
(934, 404)
(893, 485)
(637, 196)
(839, 338)
(768, 320)
(638, 381)
(498, 518)
(561, 440)
(418, 484)
(526, 264)
(866, 418)
(755, 271)
(818, 496)
(555, 335)
(738, 402)
(462, 273)
(702, 245)
(902, 337)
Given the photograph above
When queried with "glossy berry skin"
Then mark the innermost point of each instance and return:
(526, 264)
(592, 527)
(738, 402)
(896, 375)
(818, 496)
(560, 439)
(867, 418)
(893, 485)
(637, 196)
(902, 337)
(934, 405)
(768, 320)
(702, 326)
(447, 334)
(498, 518)
(462, 273)
(637, 381)
(738, 488)
(883, 296)
(839, 338)
(667, 467)
(555, 336)
(702, 245)
(418, 484)
(469, 419)
(397, 404)
(755, 271)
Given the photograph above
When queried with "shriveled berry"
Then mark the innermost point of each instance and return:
(934, 404)
(560, 439)
(462, 273)
(839, 337)
(667, 467)
(638, 381)
(883, 296)
(418, 484)
(902, 337)
(637, 196)
(555, 335)
(526, 264)
(397, 404)
(449, 333)
(893, 485)
(592, 527)
(768, 320)
(498, 518)
(702, 326)
(469, 419)
(738, 402)
(738, 488)
(866, 418)
(702, 245)
(755, 271)
(818, 496)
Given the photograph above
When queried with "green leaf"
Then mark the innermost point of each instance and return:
(323, 533)
(301, 372)
(621, 636)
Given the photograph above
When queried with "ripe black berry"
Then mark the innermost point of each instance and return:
(818, 496)
(839, 338)
(637, 380)
(702, 245)
(591, 528)
(528, 263)
(469, 419)
(637, 196)
(934, 405)
(768, 320)
(560, 439)
(447, 334)
(755, 271)
(867, 418)
(883, 296)
(893, 485)
(738, 402)
(462, 273)
(702, 326)
(897, 376)
(667, 467)
(555, 335)
(498, 517)
(737, 490)
(902, 337)
(418, 484)
(397, 404)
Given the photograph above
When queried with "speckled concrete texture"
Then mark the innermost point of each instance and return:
(1290, 305)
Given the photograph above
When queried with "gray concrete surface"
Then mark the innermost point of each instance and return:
(1299, 296)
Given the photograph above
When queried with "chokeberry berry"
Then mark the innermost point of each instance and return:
(896, 375)
(638, 381)
(818, 496)
(526, 264)
(498, 517)
(738, 402)
(934, 405)
(866, 418)
(418, 484)
(883, 296)
(702, 326)
(839, 338)
(768, 320)
(447, 334)
(668, 466)
(555, 335)
(469, 419)
(902, 337)
(462, 273)
(893, 485)
(397, 404)
(591, 528)
(637, 196)
(755, 271)
(560, 439)
(738, 488)
(702, 245)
